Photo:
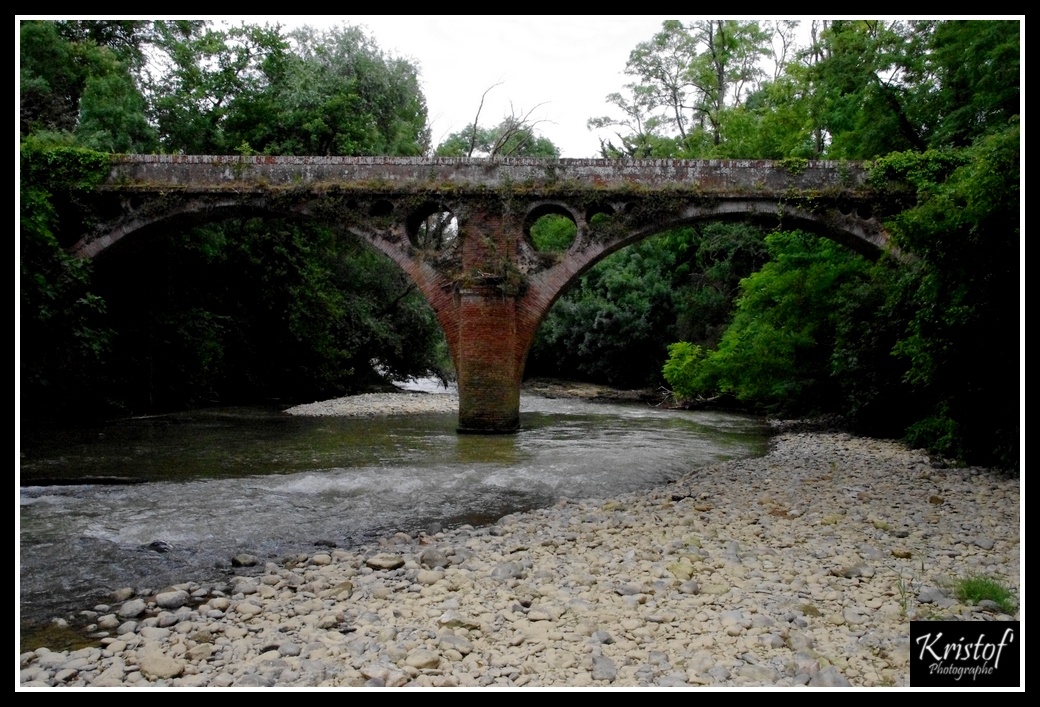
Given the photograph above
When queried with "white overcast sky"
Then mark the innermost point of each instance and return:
(562, 67)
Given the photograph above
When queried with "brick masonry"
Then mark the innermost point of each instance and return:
(489, 286)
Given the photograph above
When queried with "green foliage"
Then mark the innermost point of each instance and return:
(726, 68)
(893, 86)
(975, 588)
(924, 172)
(713, 259)
(898, 346)
(792, 165)
(513, 137)
(871, 317)
(71, 83)
(966, 229)
(939, 433)
(613, 326)
(773, 123)
(553, 232)
(861, 89)
(209, 76)
(313, 92)
(776, 353)
(335, 93)
(112, 116)
(689, 78)
(233, 311)
(977, 65)
(63, 333)
(47, 163)
(663, 66)
(684, 360)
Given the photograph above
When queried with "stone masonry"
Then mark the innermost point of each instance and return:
(488, 283)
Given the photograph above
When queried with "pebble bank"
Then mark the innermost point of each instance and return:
(371, 404)
(802, 567)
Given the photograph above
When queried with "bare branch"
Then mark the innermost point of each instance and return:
(513, 126)
(476, 121)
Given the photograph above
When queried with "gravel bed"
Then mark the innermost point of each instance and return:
(375, 404)
(802, 567)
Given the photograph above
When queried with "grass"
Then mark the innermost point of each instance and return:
(975, 588)
(903, 586)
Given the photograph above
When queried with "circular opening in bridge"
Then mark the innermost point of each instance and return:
(864, 211)
(599, 215)
(381, 208)
(551, 228)
(433, 228)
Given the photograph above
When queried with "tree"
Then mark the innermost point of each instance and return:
(663, 67)
(614, 324)
(205, 74)
(960, 344)
(336, 93)
(64, 333)
(78, 86)
(863, 85)
(688, 77)
(640, 136)
(976, 66)
(510, 138)
(776, 351)
(880, 87)
(233, 311)
(515, 136)
(729, 61)
(784, 30)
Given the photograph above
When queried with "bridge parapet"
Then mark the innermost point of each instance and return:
(719, 177)
(486, 280)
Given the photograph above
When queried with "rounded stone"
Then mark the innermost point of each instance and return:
(156, 666)
(422, 659)
(172, 600)
(132, 609)
(384, 561)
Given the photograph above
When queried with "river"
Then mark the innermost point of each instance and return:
(197, 488)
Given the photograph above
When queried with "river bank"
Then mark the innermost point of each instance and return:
(800, 567)
(414, 403)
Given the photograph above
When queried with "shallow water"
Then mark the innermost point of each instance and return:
(215, 483)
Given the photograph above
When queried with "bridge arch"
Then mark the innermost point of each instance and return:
(135, 237)
(479, 269)
(848, 229)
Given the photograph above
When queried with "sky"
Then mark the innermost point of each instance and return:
(560, 67)
(557, 68)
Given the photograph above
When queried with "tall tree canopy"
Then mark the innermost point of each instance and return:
(859, 89)
(904, 345)
(78, 81)
(236, 310)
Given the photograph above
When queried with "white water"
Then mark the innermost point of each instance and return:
(340, 481)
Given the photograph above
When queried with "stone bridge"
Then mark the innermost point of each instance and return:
(461, 228)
